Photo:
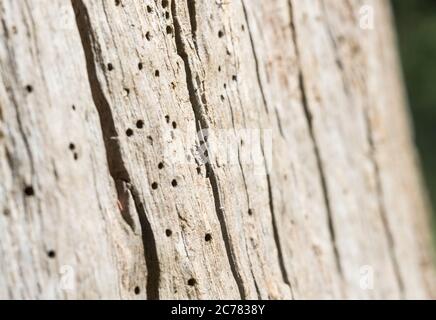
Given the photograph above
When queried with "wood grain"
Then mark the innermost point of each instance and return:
(108, 110)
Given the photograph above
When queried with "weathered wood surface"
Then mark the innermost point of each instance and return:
(94, 96)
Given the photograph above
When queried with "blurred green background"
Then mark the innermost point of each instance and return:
(416, 24)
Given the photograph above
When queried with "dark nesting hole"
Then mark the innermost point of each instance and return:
(29, 191)
(140, 66)
(167, 119)
(129, 132)
(167, 15)
(250, 212)
(51, 254)
(208, 237)
(148, 35)
(219, 68)
(127, 91)
(168, 232)
(117, 2)
(198, 170)
(160, 165)
(169, 30)
(73, 107)
(220, 34)
(174, 124)
(222, 98)
(157, 73)
(242, 27)
(164, 3)
(29, 88)
(154, 185)
(72, 147)
(235, 78)
(137, 290)
(149, 9)
(110, 66)
(174, 183)
(140, 124)
(192, 282)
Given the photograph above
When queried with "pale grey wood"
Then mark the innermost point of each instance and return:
(96, 97)
(62, 236)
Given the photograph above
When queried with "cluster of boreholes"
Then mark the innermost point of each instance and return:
(29, 190)
(221, 34)
(140, 125)
(234, 79)
(208, 238)
(72, 148)
(166, 14)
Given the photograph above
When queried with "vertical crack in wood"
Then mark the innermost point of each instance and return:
(201, 124)
(382, 207)
(279, 123)
(276, 234)
(249, 206)
(256, 60)
(373, 158)
(193, 21)
(117, 168)
(150, 247)
(312, 134)
(277, 237)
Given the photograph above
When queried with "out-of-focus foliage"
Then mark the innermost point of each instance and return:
(416, 23)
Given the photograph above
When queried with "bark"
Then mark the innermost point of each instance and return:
(95, 97)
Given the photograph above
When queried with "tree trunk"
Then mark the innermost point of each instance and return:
(109, 188)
